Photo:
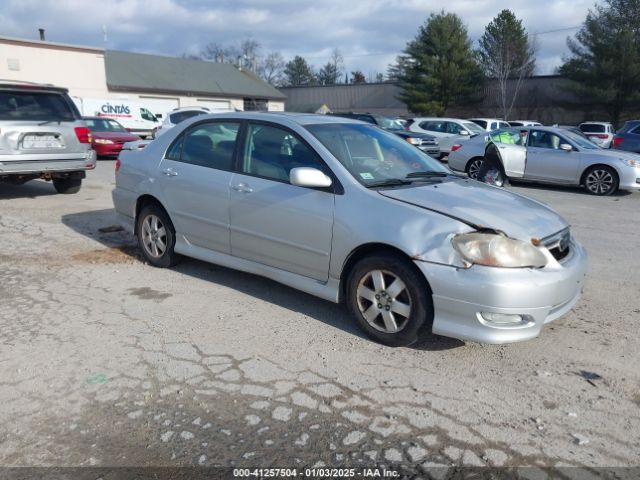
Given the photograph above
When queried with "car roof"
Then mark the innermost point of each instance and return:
(595, 123)
(23, 85)
(284, 117)
(445, 119)
(487, 119)
(193, 107)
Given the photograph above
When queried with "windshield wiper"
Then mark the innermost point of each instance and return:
(389, 182)
(59, 120)
(426, 174)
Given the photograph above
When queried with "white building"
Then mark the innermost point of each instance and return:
(158, 83)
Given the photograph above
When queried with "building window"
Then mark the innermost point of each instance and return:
(255, 104)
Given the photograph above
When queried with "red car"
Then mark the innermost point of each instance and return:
(108, 136)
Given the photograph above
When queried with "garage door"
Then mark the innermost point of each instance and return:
(225, 104)
(159, 105)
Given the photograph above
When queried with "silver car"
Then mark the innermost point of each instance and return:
(350, 213)
(42, 136)
(554, 156)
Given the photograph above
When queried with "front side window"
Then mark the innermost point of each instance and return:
(272, 152)
(373, 155)
(454, 128)
(207, 145)
(541, 139)
(147, 115)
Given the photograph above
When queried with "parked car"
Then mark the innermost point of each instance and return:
(133, 116)
(447, 131)
(108, 136)
(628, 137)
(42, 136)
(552, 155)
(178, 115)
(351, 213)
(600, 133)
(489, 124)
(427, 143)
(524, 123)
(573, 129)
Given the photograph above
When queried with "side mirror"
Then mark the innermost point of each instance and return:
(463, 132)
(308, 177)
(566, 147)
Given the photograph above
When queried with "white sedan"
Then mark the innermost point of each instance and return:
(551, 155)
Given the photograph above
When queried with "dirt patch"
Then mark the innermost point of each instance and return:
(123, 254)
(146, 293)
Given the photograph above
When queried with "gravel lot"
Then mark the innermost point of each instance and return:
(107, 361)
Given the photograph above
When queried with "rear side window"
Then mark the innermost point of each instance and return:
(635, 130)
(178, 117)
(453, 128)
(24, 105)
(207, 145)
(592, 128)
(434, 126)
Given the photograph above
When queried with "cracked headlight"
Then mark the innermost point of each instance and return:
(497, 251)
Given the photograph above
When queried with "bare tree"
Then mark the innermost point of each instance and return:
(250, 53)
(271, 69)
(218, 53)
(507, 55)
(337, 63)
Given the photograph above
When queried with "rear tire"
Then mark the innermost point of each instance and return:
(67, 185)
(601, 180)
(156, 237)
(390, 299)
(473, 167)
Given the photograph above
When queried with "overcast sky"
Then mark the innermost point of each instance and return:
(369, 33)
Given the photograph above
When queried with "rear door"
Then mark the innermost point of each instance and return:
(547, 162)
(194, 178)
(273, 222)
(512, 153)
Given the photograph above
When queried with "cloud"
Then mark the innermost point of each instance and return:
(370, 33)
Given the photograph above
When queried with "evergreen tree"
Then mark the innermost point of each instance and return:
(438, 69)
(298, 72)
(507, 54)
(605, 60)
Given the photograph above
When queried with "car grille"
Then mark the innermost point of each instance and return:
(559, 244)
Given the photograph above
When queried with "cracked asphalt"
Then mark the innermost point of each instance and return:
(106, 361)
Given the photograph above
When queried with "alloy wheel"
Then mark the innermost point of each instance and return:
(474, 168)
(154, 236)
(384, 301)
(599, 181)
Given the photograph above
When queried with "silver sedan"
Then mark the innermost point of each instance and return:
(350, 213)
(554, 156)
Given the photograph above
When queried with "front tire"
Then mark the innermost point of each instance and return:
(601, 180)
(67, 185)
(156, 237)
(390, 299)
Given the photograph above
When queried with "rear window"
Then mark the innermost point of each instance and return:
(23, 105)
(103, 125)
(182, 116)
(482, 123)
(592, 128)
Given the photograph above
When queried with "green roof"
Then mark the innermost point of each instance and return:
(183, 76)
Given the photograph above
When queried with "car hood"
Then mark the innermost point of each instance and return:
(613, 154)
(484, 207)
(116, 136)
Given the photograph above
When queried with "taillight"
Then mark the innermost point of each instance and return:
(83, 134)
(617, 141)
(118, 164)
(457, 146)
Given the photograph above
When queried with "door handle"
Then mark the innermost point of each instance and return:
(242, 187)
(170, 172)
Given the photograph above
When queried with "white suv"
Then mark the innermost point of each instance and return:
(490, 124)
(448, 131)
(178, 115)
(600, 133)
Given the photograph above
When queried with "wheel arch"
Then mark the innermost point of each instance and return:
(470, 161)
(147, 199)
(583, 175)
(364, 251)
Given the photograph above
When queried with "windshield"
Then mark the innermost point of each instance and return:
(390, 123)
(103, 125)
(178, 117)
(473, 128)
(580, 141)
(372, 155)
(24, 105)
